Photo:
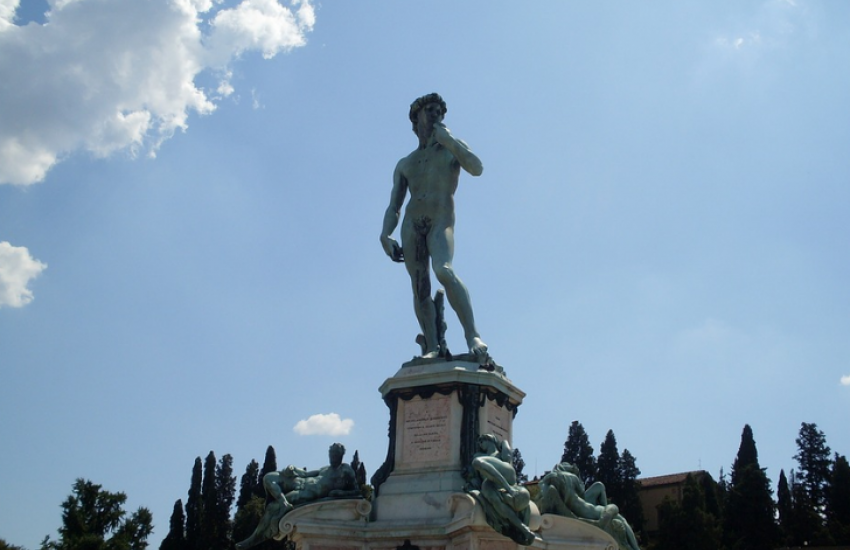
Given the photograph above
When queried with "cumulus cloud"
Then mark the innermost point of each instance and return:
(324, 424)
(845, 380)
(17, 269)
(104, 76)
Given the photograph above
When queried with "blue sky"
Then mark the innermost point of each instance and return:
(193, 192)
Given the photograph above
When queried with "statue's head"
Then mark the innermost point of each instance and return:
(488, 442)
(420, 102)
(335, 453)
(569, 468)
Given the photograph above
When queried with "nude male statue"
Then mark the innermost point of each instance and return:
(293, 486)
(562, 492)
(431, 174)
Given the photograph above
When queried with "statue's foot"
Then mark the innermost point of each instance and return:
(431, 355)
(479, 349)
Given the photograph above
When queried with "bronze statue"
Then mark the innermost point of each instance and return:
(292, 487)
(430, 174)
(494, 484)
(562, 492)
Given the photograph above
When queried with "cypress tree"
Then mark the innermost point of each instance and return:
(579, 452)
(838, 501)
(248, 484)
(269, 465)
(209, 497)
(175, 539)
(630, 506)
(608, 468)
(747, 454)
(748, 514)
(194, 509)
(225, 493)
(784, 505)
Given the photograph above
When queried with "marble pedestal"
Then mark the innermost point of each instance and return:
(437, 411)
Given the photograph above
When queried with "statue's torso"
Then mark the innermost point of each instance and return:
(432, 177)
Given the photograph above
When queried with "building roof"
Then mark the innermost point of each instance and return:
(669, 479)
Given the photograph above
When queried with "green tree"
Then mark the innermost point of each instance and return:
(176, 538)
(687, 526)
(784, 505)
(209, 528)
(630, 507)
(805, 526)
(94, 519)
(194, 509)
(359, 470)
(225, 487)
(748, 522)
(838, 501)
(608, 468)
(269, 465)
(519, 466)
(6, 546)
(218, 490)
(813, 457)
(579, 452)
(247, 518)
(248, 484)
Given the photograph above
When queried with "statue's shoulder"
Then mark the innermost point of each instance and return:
(402, 164)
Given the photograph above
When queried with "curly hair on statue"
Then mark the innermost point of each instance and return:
(420, 102)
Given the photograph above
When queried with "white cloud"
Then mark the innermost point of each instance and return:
(7, 13)
(771, 25)
(104, 76)
(324, 424)
(845, 380)
(17, 269)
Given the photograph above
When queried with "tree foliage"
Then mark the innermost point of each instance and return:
(176, 538)
(608, 468)
(748, 522)
(6, 546)
(813, 457)
(519, 466)
(194, 508)
(687, 525)
(269, 465)
(248, 484)
(630, 506)
(579, 452)
(94, 519)
(838, 501)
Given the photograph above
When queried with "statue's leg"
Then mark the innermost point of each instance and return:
(441, 246)
(416, 261)
(595, 494)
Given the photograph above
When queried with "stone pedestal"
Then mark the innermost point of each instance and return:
(437, 411)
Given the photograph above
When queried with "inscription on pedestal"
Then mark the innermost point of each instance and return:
(498, 421)
(426, 430)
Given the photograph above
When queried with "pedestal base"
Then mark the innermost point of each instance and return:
(342, 525)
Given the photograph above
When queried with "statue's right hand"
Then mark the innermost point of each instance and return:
(393, 249)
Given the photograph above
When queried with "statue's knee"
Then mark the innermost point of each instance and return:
(445, 274)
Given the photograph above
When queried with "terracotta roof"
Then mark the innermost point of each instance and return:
(669, 479)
